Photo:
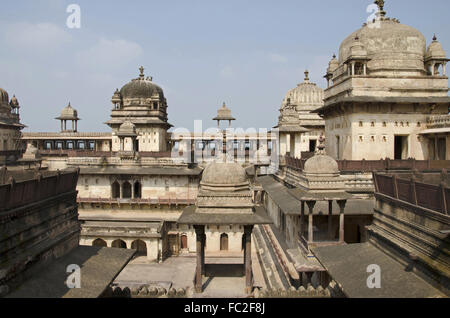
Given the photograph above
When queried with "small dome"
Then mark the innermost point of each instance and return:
(4, 97)
(333, 65)
(305, 94)
(435, 50)
(141, 88)
(116, 97)
(357, 49)
(69, 113)
(221, 173)
(127, 128)
(321, 165)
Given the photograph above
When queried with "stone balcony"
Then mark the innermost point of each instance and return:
(438, 121)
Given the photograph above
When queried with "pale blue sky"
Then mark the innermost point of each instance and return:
(246, 53)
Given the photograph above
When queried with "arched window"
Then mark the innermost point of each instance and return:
(140, 247)
(115, 190)
(137, 189)
(119, 244)
(224, 242)
(99, 242)
(126, 190)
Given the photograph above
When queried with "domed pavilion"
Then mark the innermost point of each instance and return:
(299, 128)
(224, 199)
(142, 103)
(383, 86)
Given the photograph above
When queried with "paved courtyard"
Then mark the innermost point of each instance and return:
(178, 272)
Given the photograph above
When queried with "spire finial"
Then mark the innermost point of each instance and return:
(141, 70)
(224, 105)
(306, 76)
(321, 146)
(334, 55)
(434, 37)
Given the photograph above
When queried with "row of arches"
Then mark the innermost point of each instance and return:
(138, 245)
(126, 190)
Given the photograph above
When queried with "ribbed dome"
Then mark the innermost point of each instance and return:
(141, 88)
(305, 93)
(4, 97)
(221, 173)
(391, 46)
(435, 50)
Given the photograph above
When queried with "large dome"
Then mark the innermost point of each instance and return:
(391, 46)
(224, 174)
(141, 87)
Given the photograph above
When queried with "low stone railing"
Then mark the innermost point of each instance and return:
(438, 121)
(144, 291)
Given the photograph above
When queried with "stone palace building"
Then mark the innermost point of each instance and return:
(352, 174)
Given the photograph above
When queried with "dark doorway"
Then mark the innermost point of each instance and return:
(126, 190)
(312, 145)
(137, 190)
(401, 147)
(136, 145)
(184, 242)
(115, 191)
(224, 242)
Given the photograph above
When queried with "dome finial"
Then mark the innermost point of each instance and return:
(141, 70)
(380, 4)
(306, 76)
(434, 37)
(321, 146)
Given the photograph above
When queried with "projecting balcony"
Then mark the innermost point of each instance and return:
(438, 121)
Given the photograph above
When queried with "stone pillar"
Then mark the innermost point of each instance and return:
(302, 219)
(311, 205)
(432, 68)
(248, 258)
(121, 190)
(132, 189)
(62, 127)
(365, 69)
(353, 68)
(199, 232)
(203, 253)
(330, 220)
(444, 72)
(288, 144)
(341, 219)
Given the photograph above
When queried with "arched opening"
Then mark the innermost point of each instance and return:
(224, 242)
(184, 242)
(137, 189)
(115, 190)
(99, 242)
(140, 247)
(119, 244)
(243, 242)
(126, 190)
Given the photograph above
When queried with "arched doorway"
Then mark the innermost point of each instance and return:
(224, 242)
(99, 242)
(115, 190)
(119, 244)
(184, 242)
(140, 247)
(137, 190)
(243, 242)
(126, 190)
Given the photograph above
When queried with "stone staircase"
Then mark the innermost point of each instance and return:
(271, 265)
